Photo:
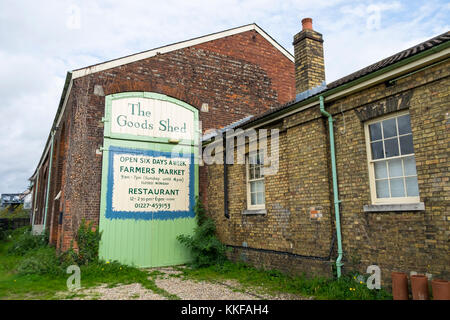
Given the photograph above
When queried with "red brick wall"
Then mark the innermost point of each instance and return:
(252, 47)
(237, 76)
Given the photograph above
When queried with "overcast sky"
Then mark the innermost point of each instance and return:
(41, 40)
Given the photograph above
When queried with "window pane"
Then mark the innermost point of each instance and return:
(253, 198)
(260, 186)
(404, 125)
(260, 198)
(406, 144)
(256, 186)
(377, 150)
(380, 170)
(397, 187)
(395, 168)
(375, 131)
(257, 173)
(389, 128)
(412, 188)
(391, 146)
(382, 189)
(410, 166)
(252, 172)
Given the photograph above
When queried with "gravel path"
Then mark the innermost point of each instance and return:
(173, 283)
(133, 291)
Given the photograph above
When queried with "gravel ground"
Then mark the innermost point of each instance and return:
(192, 290)
(185, 289)
(133, 291)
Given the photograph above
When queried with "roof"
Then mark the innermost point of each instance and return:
(77, 73)
(378, 66)
(392, 59)
(177, 46)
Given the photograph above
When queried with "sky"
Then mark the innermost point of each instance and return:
(41, 40)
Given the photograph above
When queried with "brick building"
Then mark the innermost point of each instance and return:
(389, 202)
(383, 200)
(225, 76)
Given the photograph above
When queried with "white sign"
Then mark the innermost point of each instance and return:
(151, 118)
(145, 183)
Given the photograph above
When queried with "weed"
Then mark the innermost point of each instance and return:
(205, 246)
(25, 241)
(40, 273)
(274, 281)
(88, 240)
(40, 261)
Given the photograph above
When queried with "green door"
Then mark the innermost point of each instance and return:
(149, 179)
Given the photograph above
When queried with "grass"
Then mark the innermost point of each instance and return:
(273, 282)
(38, 274)
(24, 281)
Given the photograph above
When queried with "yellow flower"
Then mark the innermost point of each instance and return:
(103, 269)
(361, 282)
(107, 262)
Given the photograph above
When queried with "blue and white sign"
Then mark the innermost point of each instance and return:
(149, 184)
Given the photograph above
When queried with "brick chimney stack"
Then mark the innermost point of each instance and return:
(309, 62)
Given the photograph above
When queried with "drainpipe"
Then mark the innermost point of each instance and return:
(339, 264)
(225, 178)
(36, 186)
(49, 179)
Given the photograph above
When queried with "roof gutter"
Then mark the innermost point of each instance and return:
(49, 178)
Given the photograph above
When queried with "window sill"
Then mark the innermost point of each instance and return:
(254, 211)
(420, 206)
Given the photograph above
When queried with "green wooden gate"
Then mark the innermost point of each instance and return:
(149, 179)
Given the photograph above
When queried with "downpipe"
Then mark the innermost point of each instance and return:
(339, 263)
(49, 179)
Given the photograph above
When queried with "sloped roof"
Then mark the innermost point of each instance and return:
(176, 46)
(402, 55)
(77, 73)
(392, 59)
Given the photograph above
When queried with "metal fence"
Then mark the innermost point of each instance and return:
(11, 224)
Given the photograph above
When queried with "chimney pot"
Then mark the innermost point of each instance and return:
(307, 24)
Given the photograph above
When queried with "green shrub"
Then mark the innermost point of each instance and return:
(23, 241)
(205, 247)
(88, 240)
(68, 258)
(41, 261)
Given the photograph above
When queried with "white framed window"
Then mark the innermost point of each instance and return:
(391, 160)
(255, 182)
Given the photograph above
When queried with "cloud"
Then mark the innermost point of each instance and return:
(42, 40)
